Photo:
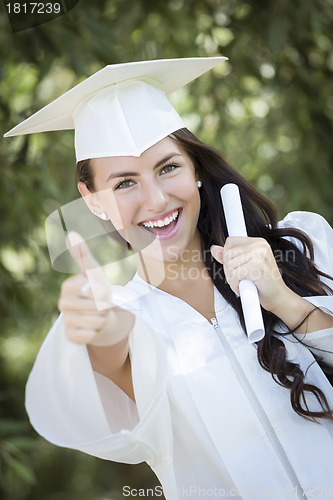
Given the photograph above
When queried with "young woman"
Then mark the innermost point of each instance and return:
(161, 371)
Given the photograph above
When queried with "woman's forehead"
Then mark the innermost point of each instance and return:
(155, 153)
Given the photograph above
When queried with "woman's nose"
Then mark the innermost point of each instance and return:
(155, 198)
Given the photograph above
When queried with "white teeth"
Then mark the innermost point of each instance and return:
(161, 223)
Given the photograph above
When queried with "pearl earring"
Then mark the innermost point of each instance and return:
(199, 184)
(101, 215)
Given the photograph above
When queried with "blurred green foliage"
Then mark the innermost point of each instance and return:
(269, 110)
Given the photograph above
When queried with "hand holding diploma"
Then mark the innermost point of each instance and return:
(252, 272)
(247, 289)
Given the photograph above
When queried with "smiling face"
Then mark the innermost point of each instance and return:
(152, 200)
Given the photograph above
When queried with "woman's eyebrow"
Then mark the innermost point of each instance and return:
(115, 175)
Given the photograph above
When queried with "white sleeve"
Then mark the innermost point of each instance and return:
(71, 406)
(321, 234)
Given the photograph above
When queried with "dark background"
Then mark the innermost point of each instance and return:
(269, 110)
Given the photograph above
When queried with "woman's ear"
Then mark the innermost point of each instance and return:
(83, 189)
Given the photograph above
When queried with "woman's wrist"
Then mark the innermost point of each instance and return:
(299, 315)
(118, 326)
(293, 310)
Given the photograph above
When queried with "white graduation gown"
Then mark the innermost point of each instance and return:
(207, 419)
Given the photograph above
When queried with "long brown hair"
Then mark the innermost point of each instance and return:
(300, 275)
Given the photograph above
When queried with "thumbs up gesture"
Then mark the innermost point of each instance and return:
(85, 301)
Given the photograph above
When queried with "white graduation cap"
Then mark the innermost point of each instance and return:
(122, 109)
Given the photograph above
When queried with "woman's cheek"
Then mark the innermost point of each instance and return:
(116, 209)
(117, 219)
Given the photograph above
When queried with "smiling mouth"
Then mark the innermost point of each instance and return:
(165, 227)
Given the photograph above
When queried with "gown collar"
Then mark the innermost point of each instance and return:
(219, 301)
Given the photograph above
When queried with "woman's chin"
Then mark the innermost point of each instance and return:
(159, 252)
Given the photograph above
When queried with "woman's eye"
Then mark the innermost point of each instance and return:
(168, 168)
(124, 184)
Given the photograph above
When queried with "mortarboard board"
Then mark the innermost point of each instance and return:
(122, 109)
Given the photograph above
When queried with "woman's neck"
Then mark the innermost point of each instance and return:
(187, 271)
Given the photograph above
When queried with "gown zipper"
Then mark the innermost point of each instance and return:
(260, 412)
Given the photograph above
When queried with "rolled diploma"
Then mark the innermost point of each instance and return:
(234, 216)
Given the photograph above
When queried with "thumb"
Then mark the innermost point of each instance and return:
(100, 287)
(80, 252)
(217, 253)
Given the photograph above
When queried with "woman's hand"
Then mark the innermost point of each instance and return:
(85, 302)
(252, 259)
